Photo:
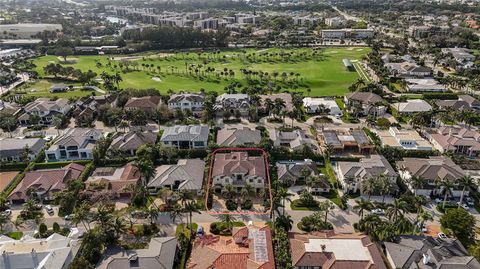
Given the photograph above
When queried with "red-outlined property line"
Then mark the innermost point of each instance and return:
(210, 172)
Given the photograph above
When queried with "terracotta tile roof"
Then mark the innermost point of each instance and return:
(143, 102)
(369, 257)
(231, 253)
(238, 162)
(47, 180)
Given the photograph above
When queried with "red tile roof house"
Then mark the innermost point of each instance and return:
(328, 250)
(147, 103)
(112, 182)
(249, 248)
(238, 169)
(46, 182)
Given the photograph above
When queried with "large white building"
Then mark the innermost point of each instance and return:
(54, 252)
(26, 30)
(74, 144)
(317, 105)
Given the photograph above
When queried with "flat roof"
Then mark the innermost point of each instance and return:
(344, 249)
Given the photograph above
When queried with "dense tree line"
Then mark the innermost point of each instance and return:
(166, 37)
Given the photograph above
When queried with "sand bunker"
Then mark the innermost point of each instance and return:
(157, 79)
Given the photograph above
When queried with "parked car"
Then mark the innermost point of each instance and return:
(378, 211)
(463, 205)
(470, 201)
(7, 212)
(440, 200)
(442, 236)
(138, 214)
(69, 217)
(422, 227)
(49, 209)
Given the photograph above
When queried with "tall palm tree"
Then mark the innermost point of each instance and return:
(326, 206)
(82, 214)
(361, 206)
(424, 217)
(190, 208)
(416, 183)
(285, 196)
(446, 187)
(176, 212)
(468, 183)
(386, 186)
(369, 186)
(396, 210)
(184, 196)
(153, 213)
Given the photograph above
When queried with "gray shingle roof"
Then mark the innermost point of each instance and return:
(235, 137)
(12, 147)
(185, 133)
(407, 252)
(189, 172)
(160, 254)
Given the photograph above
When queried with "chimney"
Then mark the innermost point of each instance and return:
(426, 259)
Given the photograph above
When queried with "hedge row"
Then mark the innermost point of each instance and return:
(441, 96)
(16, 166)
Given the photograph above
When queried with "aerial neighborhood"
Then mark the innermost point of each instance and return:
(240, 134)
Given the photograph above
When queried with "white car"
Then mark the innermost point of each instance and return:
(378, 211)
(464, 206)
(69, 217)
(49, 209)
(470, 201)
(7, 212)
(442, 236)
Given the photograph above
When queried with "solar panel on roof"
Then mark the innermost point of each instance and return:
(259, 245)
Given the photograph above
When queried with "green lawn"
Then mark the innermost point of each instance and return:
(326, 77)
(15, 235)
(41, 88)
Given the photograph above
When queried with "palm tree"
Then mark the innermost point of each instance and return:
(396, 209)
(285, 221)
(416, 183)
(228, 220)
(229, 191)
(386, 186)
(285, 196)
(118, 226)
(468, 183)
(191, 207)
(424, 217)
(82, 214)
(184, 196)
(368, 187)
(176, 212)
(153, 213)
(361, 206)
(326, 206)
(446, 187)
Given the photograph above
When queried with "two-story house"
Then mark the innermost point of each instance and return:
(365, 103)
(74, 144)
(352, 174)
(185, 136)
(146, 103)
(232, 103)
(187, 101)
(45, 109)
(431, 171)
(238, 169)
